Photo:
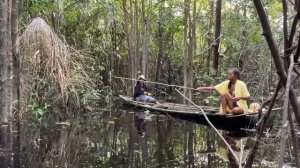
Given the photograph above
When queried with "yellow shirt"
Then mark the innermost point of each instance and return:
(240, 89)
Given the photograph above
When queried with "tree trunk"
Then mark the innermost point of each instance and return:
(217, 38)
(3, 80)
(285, 26)
(193, 40)
(16, 98)
(209, 38)
(275, 54)
(284, 123)
(130, 42)
(3, 61)
(145, 29)
(188, 51)
(137, 37)
(9, 88)
(160, 42)
(185, 40)
(280, 70)
(297, 53)
(261, 126)
(294, 139)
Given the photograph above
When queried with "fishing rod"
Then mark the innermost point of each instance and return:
(164, 84)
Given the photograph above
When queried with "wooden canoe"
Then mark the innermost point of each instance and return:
(191, 113)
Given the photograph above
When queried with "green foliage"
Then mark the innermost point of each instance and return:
(38, 110)
(97, 28)
(209, 99)
(212, 101)
(91, 97)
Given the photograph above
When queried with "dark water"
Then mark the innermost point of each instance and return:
(121, 138)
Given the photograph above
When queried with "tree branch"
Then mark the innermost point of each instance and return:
(293, 31)
(294, 139)
(270, 40)
(261, 127)
(297, 53)
(284, 123)
(285, 27)
(270, 100)
(275, 54)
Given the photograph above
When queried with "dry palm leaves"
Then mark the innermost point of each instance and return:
(49, 66)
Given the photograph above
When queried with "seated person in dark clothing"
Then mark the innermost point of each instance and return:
(141, 92)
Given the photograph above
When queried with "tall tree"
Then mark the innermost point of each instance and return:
(3, 78)
(189, 47)
(279, 64)
(131, 32)
(209, 34)
(16, 79)
(217, 38)
(160, 40)
(145, 32)
(9, 85)
(3, 60)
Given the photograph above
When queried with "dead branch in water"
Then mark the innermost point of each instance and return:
(215, 129)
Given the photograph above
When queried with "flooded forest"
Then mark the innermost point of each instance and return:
(149, 83)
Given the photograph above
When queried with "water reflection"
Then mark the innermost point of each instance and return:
(140, 121)
(238, 144)
(130, 139)
(159, 141)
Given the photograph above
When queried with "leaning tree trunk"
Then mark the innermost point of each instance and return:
(267, 32)
(284, 124)
(217, 38)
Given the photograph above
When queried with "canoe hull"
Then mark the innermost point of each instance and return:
(228, 122)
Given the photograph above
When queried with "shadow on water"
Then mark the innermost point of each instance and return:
(124, 138)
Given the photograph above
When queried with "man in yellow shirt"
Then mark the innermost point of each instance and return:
(234, 93)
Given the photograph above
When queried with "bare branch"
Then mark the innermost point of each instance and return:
(261, 127)
(284, 123)
(275, 54)
(293, 31)
(294, 139)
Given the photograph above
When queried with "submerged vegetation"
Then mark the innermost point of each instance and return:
(59, 63)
